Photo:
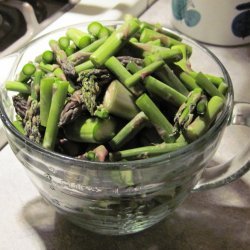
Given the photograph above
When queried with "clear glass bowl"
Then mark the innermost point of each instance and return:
(119, 197)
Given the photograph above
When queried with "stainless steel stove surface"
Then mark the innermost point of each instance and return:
(20, 20)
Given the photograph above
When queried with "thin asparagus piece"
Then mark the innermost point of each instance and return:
(35, 84)
(19, 126)
(18, 86)
(99, 153)
(48, 67)
(145, 152)
(188, 81)
(60, 74)
(143, 73)
(159, 88)
(201, 106)
(62, 60)
(60, 90)
(201, 124)
(223, 87)
(184, 115)
(80, 38)
(83, 66)
(94, 28)
(150, 35)
(46, 90)
(91, 130)
(161, 123)
(166, 75)
(48, 57)
(129, 131)
(116, 67)
(27, 71)
(114, 42)
(205, 84)
(64, 42)
(119, 101)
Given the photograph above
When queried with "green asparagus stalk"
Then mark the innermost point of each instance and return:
(201, 106)
(114, 42)
(91, 130)
(58, 72)
(150, 35)
(145, 152)
(159, 88)
(201, 124)
(205, 84)
(223, 87)
(119, 101)
(48, 67)
(84, 66)
(143, 73)
(48, 57)
(19, 125)
(27, 71)
(35, 85)
(129, 131)
(80, 38)
(60, 90)
(18, 86)
(46, 90)
(116, 67)
(188, 81)
(64, 42)
(161, 123)
(94, 28)
(166, 75)
(184, 115)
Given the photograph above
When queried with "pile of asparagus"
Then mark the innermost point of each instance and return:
(115, 93)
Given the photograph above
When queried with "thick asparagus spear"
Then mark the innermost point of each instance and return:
(114, 42)
(143, 73)
(161, 123)
(27, 71)
(129, 131)
(145, 152)
(201, 124)
(92, 130)
(114, 65)
(188, 81)
(119, 101)
(205, 84)
(159, 88)
(46, 90)
(80, 38)
(60, 90)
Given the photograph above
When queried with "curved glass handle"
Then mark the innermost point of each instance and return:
(236, 167)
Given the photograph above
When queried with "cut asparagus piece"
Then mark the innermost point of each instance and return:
(161, 123)
(119, 101)
(48, 57)
(27, 71)
(60, 90)
(207, 86)
(201, 106)
(202, 123)
(145, 152)
(46, 90)
(48, 67)
(150, 35)
(129, 131)
(188, 81)
(159, 88)
(114, 42)
(91, 130)
(83, 66)
(94, 28)
(116, 67)
(143, 73)
(80, 38)
(97, 154)
(64, 42)
(167, 75)
(35, 84)
(17, 86)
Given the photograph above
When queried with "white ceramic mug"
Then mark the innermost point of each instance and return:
(220, 22)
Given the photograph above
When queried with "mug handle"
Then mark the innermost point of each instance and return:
(233, 169)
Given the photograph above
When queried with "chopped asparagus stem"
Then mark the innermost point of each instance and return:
(35, 85)
(80, 38)
(48, 57)
(188, 81)
(17, 86)
(57, 102)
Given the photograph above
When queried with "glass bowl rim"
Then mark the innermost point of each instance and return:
(225, 114)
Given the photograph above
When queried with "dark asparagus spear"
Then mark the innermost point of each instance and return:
(20, 104)
(62, 60)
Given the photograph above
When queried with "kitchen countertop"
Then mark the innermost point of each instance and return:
(210, 220)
